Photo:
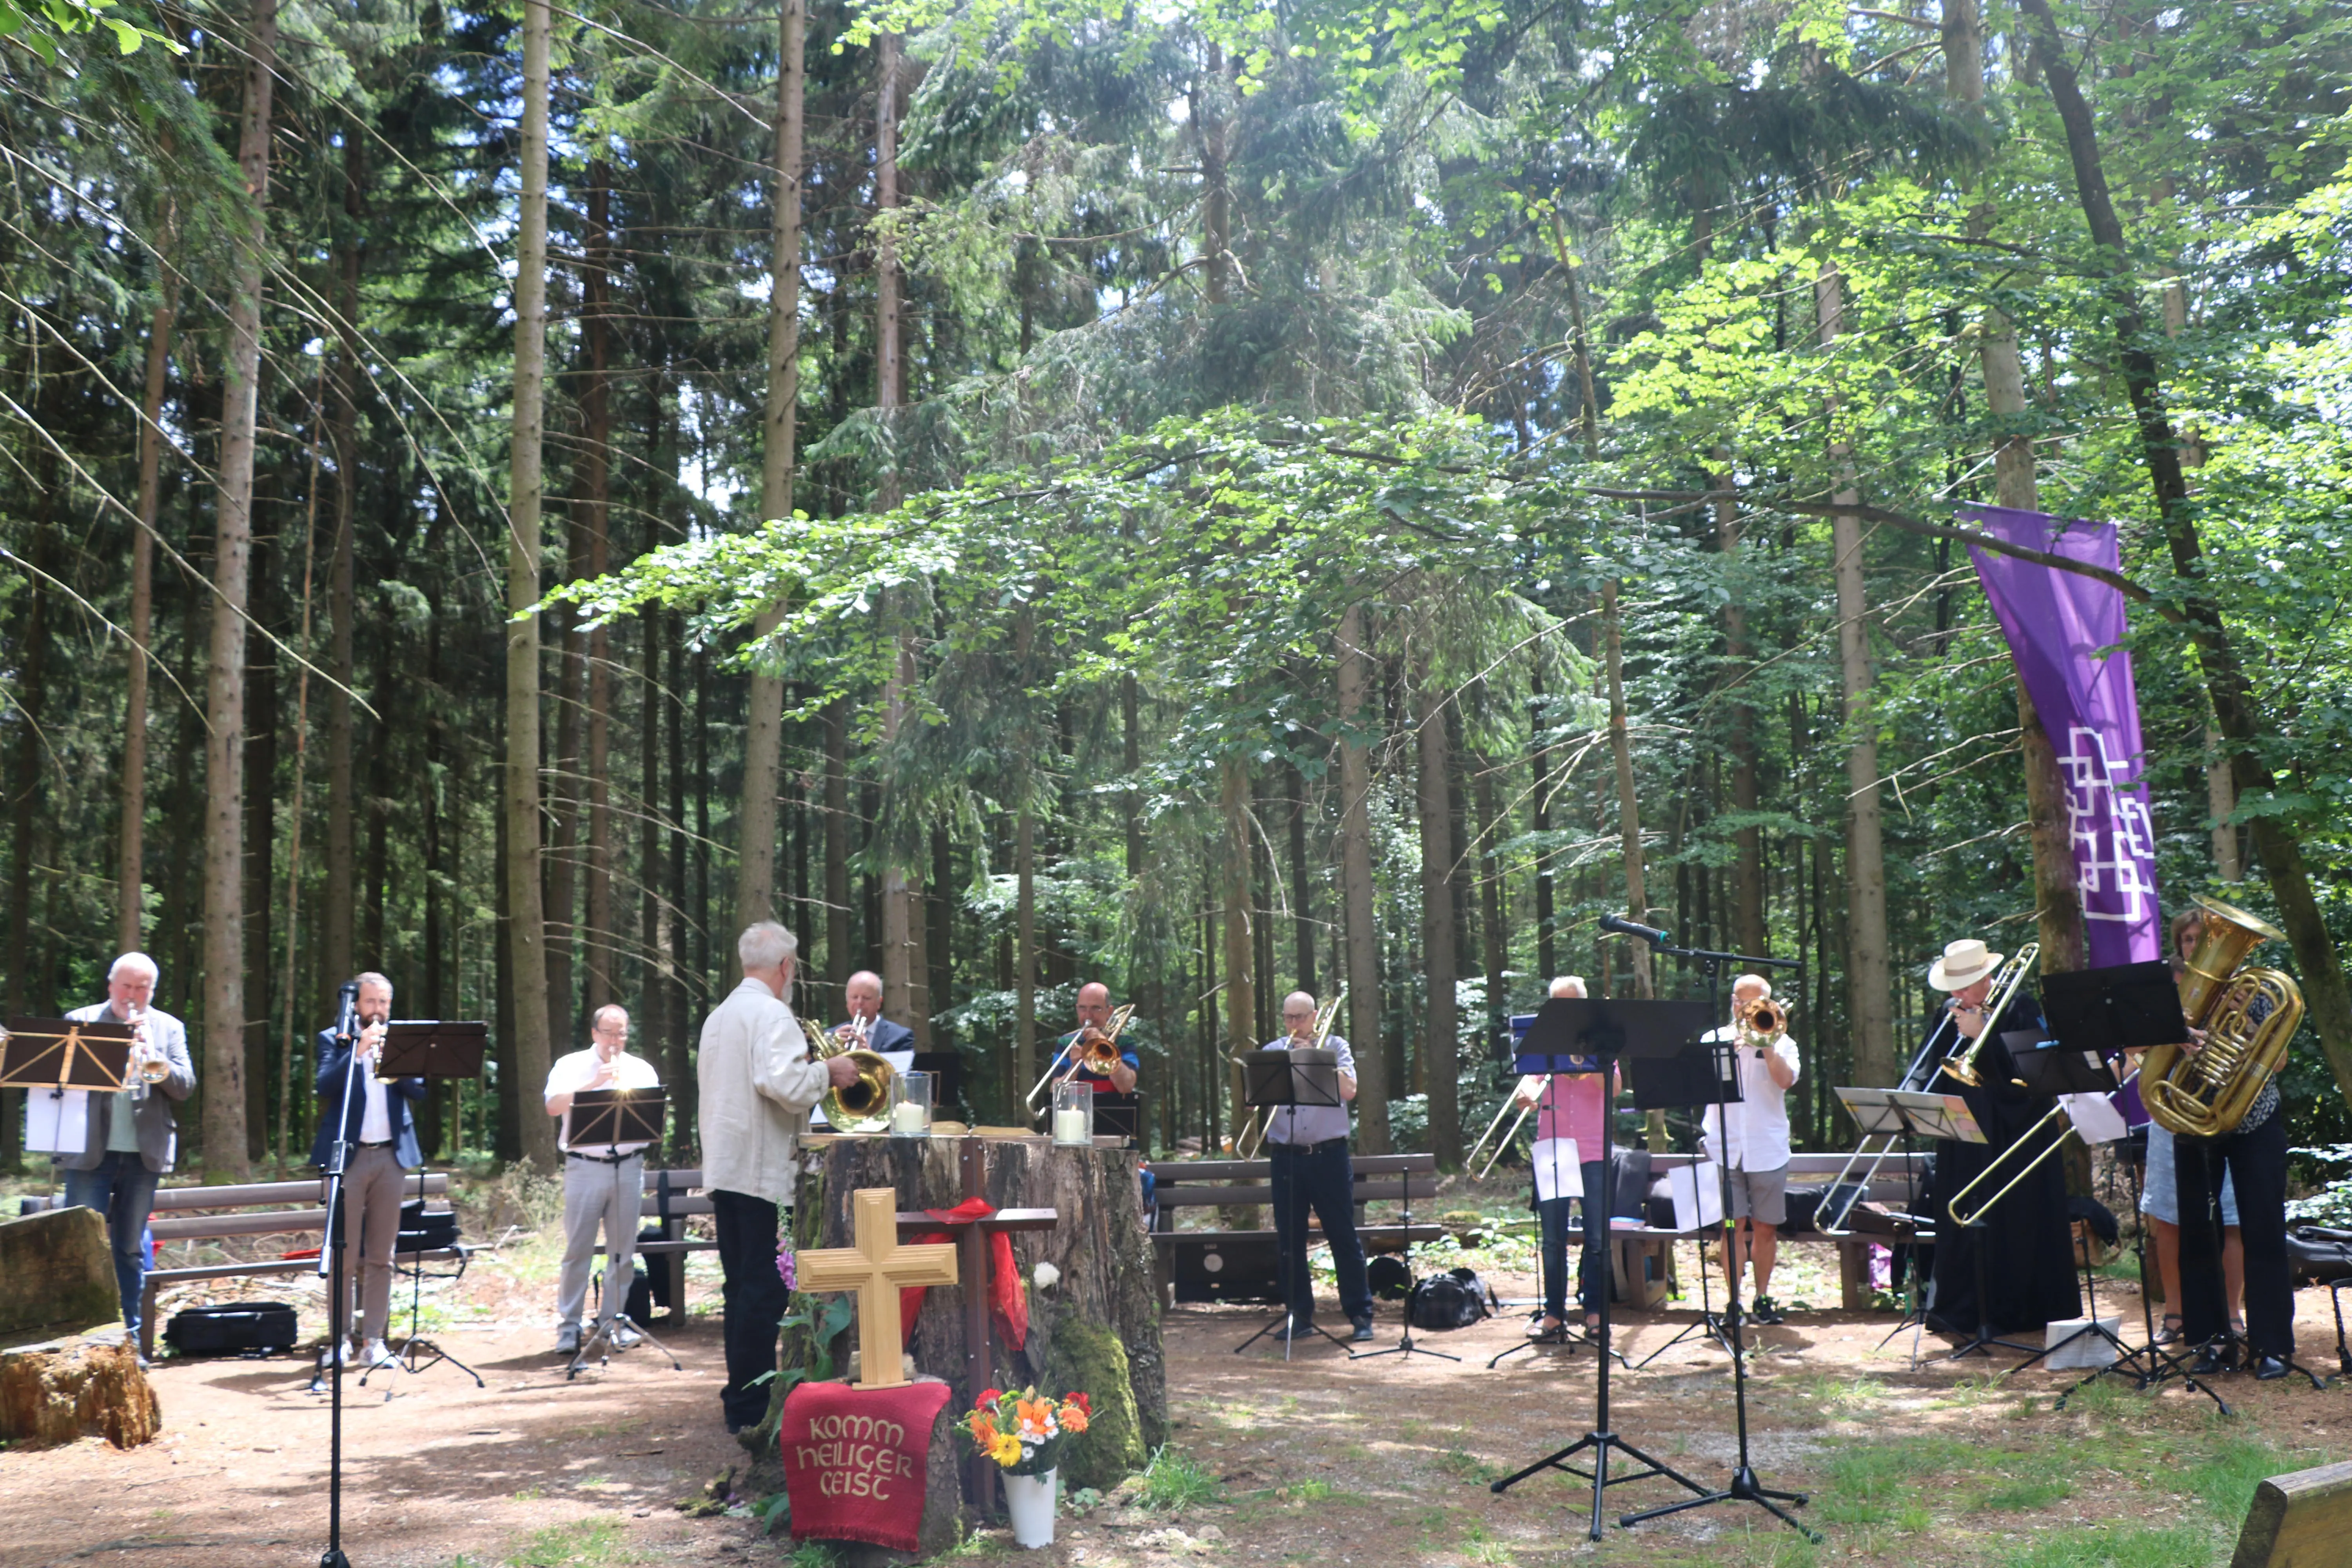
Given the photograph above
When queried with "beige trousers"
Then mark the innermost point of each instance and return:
(371, 1196)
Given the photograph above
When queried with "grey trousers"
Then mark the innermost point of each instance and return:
(597, 1193)
(372, 1198)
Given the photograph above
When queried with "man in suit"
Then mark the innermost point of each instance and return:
(373, 1117)
(130, 1136)
(862, 994)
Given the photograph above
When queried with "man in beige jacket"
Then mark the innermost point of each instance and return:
(757, 1084)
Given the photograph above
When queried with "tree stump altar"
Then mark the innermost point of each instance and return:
(58, 1383)
(1097, 1328)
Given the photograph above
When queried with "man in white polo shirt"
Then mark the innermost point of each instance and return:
(602, 1181)
(1756, 1154)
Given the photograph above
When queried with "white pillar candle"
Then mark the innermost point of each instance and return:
(1070, 1127)
(906, 1119)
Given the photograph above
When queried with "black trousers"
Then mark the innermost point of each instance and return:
(2255, 1158)
(755, 1298)
(1320, 1176)
(1554, 1216)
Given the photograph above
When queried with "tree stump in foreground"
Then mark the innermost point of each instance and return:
(1096, 1328)
(87, 1385)
(57, 1276)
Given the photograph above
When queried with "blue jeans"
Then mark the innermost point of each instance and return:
(1320, 1176)
(1554, 1213)
(123, 1189)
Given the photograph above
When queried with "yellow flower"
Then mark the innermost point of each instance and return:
(1007, 1450)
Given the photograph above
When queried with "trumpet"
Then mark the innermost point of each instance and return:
(1095, 1052)
(147, 1065)
(1763, 1021)
(867, 1096)
(1961, 1066)
(1251, 1142)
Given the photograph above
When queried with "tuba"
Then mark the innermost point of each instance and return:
(2249, 1015)
(867, 1097)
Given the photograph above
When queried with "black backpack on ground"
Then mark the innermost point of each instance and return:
(239, 1328)
(1454, 1299)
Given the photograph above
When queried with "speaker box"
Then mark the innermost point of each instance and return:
(1218, 1270)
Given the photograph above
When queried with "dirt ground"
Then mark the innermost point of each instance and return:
(1319, 1460)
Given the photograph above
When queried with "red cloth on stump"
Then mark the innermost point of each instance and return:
(856, 1460)
(1007, 1302)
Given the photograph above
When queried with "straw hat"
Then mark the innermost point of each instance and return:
(1964, 963)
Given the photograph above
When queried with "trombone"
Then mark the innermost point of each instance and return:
(1960, 1063)
(2032, 1165)
(1530, 1089)
(1098, 1054)
(1261, 1117)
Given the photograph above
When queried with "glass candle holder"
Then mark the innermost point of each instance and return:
(911, 1104)
(1073, 1114)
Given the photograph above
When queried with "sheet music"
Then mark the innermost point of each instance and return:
(1558, 1173)
(2095, 1118)
(57, 1122)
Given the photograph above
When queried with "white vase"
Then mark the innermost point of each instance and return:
(1030, 1501)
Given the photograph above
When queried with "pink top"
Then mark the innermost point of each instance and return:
(1575, 1106)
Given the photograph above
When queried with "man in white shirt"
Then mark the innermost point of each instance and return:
(1307, 1147)
(602, 1181)
(383, 1139)
(1756, 1154)
(757, 1084)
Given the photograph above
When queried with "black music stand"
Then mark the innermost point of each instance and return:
(62, 1054)
(2096, 1013)
(1272, 1079)
(425, 1050)
(1907, 1115)
(610, 1116)
(1607, 1028)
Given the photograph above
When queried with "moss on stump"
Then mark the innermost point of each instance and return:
(1089, 1356)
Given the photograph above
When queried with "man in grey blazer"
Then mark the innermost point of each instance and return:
(130, 1136)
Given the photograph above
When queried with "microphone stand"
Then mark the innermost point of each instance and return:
(338, 1289)
(1744, 1487)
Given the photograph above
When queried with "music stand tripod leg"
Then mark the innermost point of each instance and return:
(1404, 1345)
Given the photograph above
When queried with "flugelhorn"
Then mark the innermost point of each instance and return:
(1962, 1065)
(1098, 1054)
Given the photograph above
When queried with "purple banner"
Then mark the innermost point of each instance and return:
(2063, 631)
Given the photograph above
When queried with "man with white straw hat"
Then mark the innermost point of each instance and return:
(2029, 1258)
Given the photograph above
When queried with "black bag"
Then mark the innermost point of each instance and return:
(1806, 1206)
(660, 1287)
(640, 1302)
(246, 1328)
(1454, 1299)
(2315, 1253)
(1629, 1185)
(1389, 1278)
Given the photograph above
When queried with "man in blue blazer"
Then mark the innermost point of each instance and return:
(862, 994)
(383, 1137)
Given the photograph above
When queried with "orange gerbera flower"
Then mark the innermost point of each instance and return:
(1074, 1420)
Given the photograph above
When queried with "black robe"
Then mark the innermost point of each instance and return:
(2030, 1274)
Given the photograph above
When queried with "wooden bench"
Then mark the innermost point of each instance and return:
(2302, 1519)
(670, 1197)
(1893, 1184)
(1217, 1183)
(253, 1209)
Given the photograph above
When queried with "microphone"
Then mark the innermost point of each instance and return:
(347, 1013)
(1624, 927)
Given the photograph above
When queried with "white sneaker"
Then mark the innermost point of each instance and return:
(378, 1353)
(622, 1336)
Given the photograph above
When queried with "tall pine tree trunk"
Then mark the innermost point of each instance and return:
(763, 724)
(223, 1071)
(2057, 900)
(1748, 838)
(131, 895)
(1239, 940)
(1869, 994)
(603, 934)
(1363, 940)
(335, 953)
(838, 961)
(527, 923)
(1441, 1049)
(1629, 810)
(2235, 708)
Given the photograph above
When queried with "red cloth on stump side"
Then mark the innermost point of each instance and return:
(1006, 1301)
(856, 1460)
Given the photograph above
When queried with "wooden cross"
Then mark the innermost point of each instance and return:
(878, 1267)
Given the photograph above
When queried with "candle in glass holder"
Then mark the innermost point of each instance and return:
(910, 1105)
(1074, 1114)
(907, 1120)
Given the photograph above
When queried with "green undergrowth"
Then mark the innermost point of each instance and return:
(1173, 1481)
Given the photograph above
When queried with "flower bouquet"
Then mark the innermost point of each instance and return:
(1024, 1433)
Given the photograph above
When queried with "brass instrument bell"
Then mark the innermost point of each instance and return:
(1764, 1019)
(2249, 1016)
(865, 1098)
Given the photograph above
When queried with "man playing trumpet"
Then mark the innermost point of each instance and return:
(1754, 1149)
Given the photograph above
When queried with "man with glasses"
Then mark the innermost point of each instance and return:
(601, 1183)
